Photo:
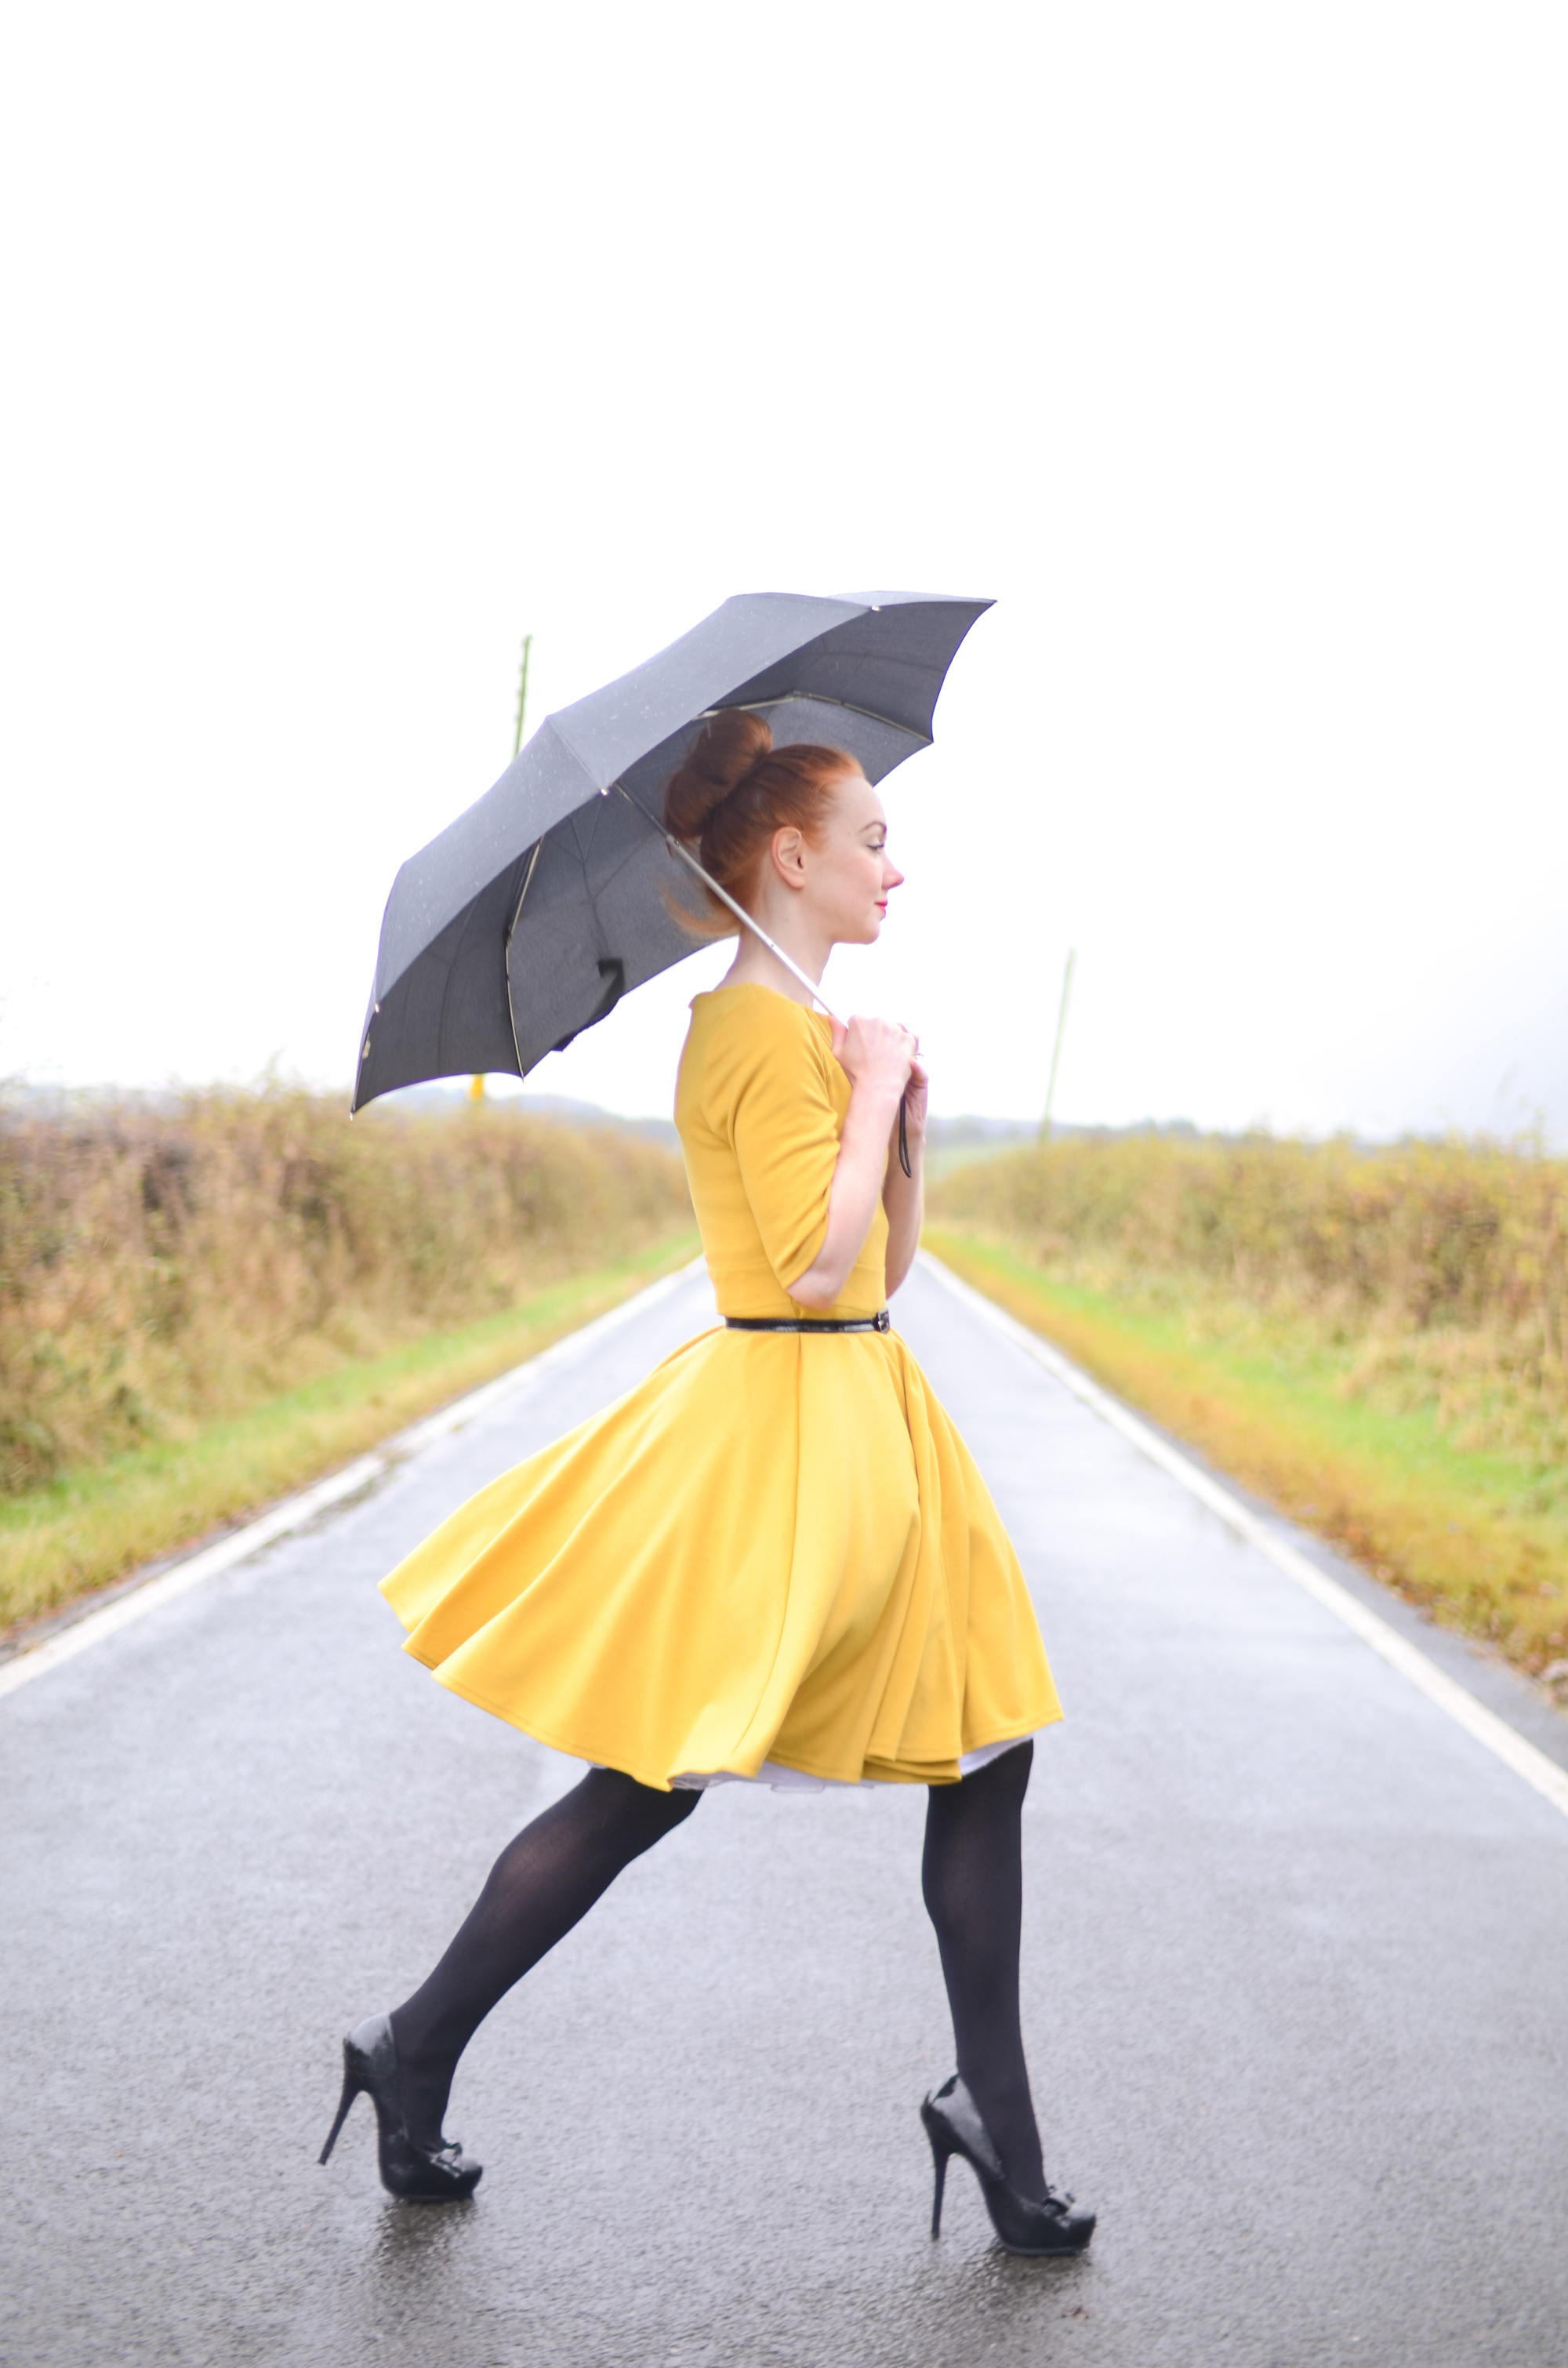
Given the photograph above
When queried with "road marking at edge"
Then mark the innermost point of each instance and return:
(294, 1512)
(1546, 1777)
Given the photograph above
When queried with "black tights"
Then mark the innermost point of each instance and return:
(547, 1879)
(973, 1877)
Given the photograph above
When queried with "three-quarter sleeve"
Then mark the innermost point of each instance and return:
(770, 1099)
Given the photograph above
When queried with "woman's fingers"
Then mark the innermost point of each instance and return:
(886, 1032)
(877, 1052)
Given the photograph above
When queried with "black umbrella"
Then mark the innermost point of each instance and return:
(529, 918)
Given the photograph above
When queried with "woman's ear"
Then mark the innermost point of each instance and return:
(789, 852)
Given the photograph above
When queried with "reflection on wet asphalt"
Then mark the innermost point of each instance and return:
(1293, 1987)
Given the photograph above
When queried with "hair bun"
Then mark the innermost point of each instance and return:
(726, 749)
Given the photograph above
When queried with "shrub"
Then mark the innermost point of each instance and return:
(159, 1267)
(1442, 1267)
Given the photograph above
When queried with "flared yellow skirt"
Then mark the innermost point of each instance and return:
(776, 1549)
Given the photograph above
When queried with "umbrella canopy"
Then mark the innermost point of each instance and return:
(530, 915)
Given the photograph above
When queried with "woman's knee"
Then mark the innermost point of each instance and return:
(640, 1812)
(1008, 1776)
(1000, 1784)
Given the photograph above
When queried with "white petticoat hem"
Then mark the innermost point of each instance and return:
(795, 1779)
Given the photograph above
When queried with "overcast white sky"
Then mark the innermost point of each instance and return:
(1225, 346)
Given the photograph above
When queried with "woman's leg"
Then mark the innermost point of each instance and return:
(973, 1880)
(541, 1884)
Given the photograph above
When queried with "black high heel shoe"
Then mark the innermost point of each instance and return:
(953, 2124)
(418, 2174)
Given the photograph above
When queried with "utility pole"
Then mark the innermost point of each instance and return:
(1056, 1049)
(476, 1085)
(522, 693)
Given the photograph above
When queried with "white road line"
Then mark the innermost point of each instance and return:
(1543, 1774)
(294, 1512)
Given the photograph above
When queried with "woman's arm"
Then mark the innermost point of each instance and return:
(903, 1197)
(878, 1058)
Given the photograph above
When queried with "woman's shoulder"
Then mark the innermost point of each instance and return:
(748, 1013)
(738, 1029)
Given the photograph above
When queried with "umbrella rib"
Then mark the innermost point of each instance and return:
(506, 950)
(725, 898)
(813, 698)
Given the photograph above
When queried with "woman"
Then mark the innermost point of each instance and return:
(775, 1560)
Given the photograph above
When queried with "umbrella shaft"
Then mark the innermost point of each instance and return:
(741, 913)
(738, 910)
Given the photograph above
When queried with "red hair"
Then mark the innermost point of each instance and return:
(735, 789)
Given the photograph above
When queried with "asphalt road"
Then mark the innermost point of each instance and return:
(1294, 1988)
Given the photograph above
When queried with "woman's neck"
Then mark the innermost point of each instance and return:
(755, 966)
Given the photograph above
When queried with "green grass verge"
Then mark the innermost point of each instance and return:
(89, 1528)
(1474, 1537)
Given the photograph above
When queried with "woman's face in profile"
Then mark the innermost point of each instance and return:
(848, 877)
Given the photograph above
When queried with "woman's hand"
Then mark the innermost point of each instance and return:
(876, 1056)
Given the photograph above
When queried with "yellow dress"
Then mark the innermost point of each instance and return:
(775, 1557)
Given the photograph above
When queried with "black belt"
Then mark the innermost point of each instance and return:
(880, 1322)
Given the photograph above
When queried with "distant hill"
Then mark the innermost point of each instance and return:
(432, 1100)
(435, 1099)
(571, 1114)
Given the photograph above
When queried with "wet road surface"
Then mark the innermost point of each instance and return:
(1294, 1982)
